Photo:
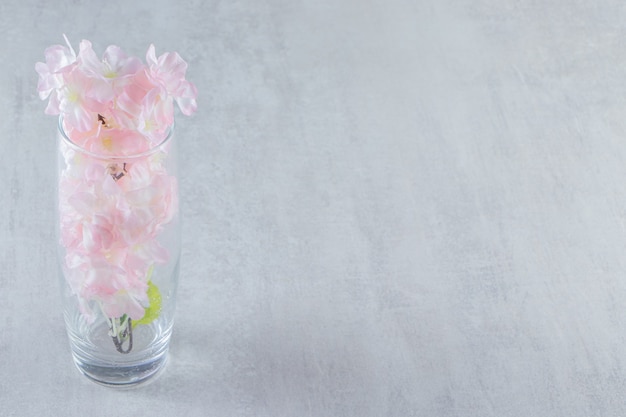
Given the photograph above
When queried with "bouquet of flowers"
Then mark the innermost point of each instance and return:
(112, 208)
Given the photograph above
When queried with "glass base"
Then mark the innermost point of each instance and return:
(97, 357)
(123, 376)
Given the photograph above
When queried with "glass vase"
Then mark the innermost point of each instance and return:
(118, 230)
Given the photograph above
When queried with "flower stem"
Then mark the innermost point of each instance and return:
(124, 333)
(120, 330)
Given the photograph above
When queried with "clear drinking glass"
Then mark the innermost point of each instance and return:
(118, 230)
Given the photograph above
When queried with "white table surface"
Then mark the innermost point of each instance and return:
(391, 208)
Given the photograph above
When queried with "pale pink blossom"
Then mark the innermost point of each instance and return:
(112, 211)
(117, 142)
(131, 301)
(169, 72)
(59, 60)
(80, 100)
(116, 90)
(131, 98)
(110, 229)
(114, 65)
(98, 234)
(156, 115)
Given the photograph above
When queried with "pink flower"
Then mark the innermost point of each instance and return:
(114, 65)
(169, 72)
(80, 100)
(110, 229)
(131, 98)
(59, 59)
(94, 94)
(157, 113)
(131, 301)
(113, 212)
(98, 234)
(117, 142)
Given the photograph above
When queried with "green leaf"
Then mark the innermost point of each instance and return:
(154, 309)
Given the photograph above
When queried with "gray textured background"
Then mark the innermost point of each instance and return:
(392, 208)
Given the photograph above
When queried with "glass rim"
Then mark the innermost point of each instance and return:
(77, 147)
